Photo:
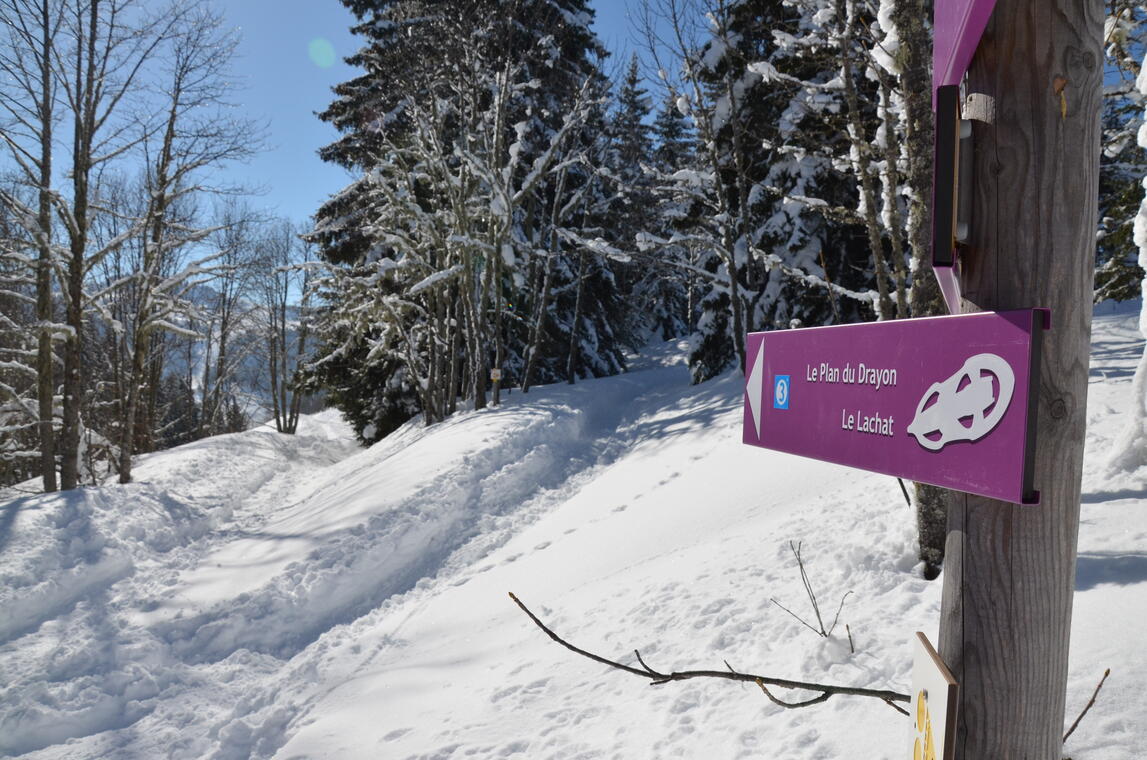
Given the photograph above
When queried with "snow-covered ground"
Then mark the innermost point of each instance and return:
(260, 595)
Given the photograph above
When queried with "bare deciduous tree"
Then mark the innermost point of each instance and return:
(192, 133)
(284, 283)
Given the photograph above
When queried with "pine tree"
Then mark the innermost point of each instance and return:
(1129, 450)
(634, 145)
(648, 281)
(462, 244)
(1122, 163)
(672, 136)
(765, 206)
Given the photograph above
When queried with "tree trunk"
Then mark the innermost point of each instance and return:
(218, 402)
(127, 434)
(847, 19)
(156, 349)
(543, 300)
(541, 306)
(924, 300)
(453, 378)
(73, 370)
(206, 413)
(45, 364)
(915, 58)
(300, 352)
(499, 347)
(473, 335)
(83, 133)
(571, 359)
(891, 182)
(277, 408)
(931, 526)
(437, 365)
(1010, 570)
(152, 258)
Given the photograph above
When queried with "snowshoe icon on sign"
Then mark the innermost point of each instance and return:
(966, 406)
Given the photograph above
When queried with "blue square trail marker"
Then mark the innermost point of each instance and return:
(781, 387)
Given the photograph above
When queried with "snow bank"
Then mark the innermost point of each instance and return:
(260, 595)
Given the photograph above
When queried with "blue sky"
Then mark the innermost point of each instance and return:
(290, 55)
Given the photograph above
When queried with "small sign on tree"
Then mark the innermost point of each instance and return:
(933, 704)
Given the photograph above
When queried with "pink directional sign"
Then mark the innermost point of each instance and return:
(943, 400)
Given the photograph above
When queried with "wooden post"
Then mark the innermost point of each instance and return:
(1009, 571)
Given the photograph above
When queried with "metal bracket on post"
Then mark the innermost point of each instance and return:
(958, 26)
(963, 232)
(945, 194)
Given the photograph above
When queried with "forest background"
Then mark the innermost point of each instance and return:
(518, 201)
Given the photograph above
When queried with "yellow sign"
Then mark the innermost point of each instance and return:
(925, 745)
(934, 704)
(495, 375)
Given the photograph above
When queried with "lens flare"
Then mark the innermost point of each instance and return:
(321, 52)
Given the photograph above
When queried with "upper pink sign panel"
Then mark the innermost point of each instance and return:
(958, 26)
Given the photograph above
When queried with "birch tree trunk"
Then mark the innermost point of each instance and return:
(914, 58)
(915, 80)
(846, 15)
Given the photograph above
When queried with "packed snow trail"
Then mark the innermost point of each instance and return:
(78, 571)
(259, 595)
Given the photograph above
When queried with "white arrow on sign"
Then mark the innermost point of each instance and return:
(756, 381)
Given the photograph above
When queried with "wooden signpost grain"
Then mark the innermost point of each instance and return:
(1009, 570)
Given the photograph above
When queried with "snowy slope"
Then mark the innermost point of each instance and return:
(260, 595)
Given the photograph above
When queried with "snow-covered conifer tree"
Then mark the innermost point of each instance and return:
(653, 286)
(770, 216)
(461, 244)
(1123, 162)
(1130, 449)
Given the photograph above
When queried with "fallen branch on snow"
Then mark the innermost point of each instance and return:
(657, 678)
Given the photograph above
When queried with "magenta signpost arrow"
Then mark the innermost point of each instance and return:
(943, 400)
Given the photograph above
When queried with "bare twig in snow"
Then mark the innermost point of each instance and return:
(1090, 702)
(819, 631)
(657, 678)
